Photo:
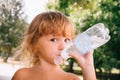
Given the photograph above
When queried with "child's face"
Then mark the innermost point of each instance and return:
(50, 46)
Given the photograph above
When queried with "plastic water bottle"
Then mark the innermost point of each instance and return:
(92, 38)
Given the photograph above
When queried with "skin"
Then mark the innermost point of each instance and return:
(49, 47)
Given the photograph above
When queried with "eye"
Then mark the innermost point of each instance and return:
(67, 40)
(53, 39)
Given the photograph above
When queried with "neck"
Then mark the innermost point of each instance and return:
(43, 65)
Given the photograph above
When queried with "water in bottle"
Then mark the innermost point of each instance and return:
(92, 38)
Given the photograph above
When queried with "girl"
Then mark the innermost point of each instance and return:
(46, 37)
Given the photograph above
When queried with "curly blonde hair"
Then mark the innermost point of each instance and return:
(52, 22)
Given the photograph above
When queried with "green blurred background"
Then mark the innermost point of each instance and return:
(84, 14)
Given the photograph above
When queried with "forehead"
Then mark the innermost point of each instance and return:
(66, 31)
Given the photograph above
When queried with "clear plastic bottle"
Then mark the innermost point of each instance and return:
(92, 38)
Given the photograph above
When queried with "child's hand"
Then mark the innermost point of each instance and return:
(85, 60)
(86, 63)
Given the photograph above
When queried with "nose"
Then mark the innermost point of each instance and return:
(62, 45)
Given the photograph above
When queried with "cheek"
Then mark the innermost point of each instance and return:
(48, 54)
(49, 51)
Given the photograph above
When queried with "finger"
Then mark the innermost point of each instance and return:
(75, 56)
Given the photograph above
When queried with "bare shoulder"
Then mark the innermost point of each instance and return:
(21, 74)
(73, 76)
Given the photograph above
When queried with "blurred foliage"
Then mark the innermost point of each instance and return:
(85, 13)
(76, 10)
(12, 25)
